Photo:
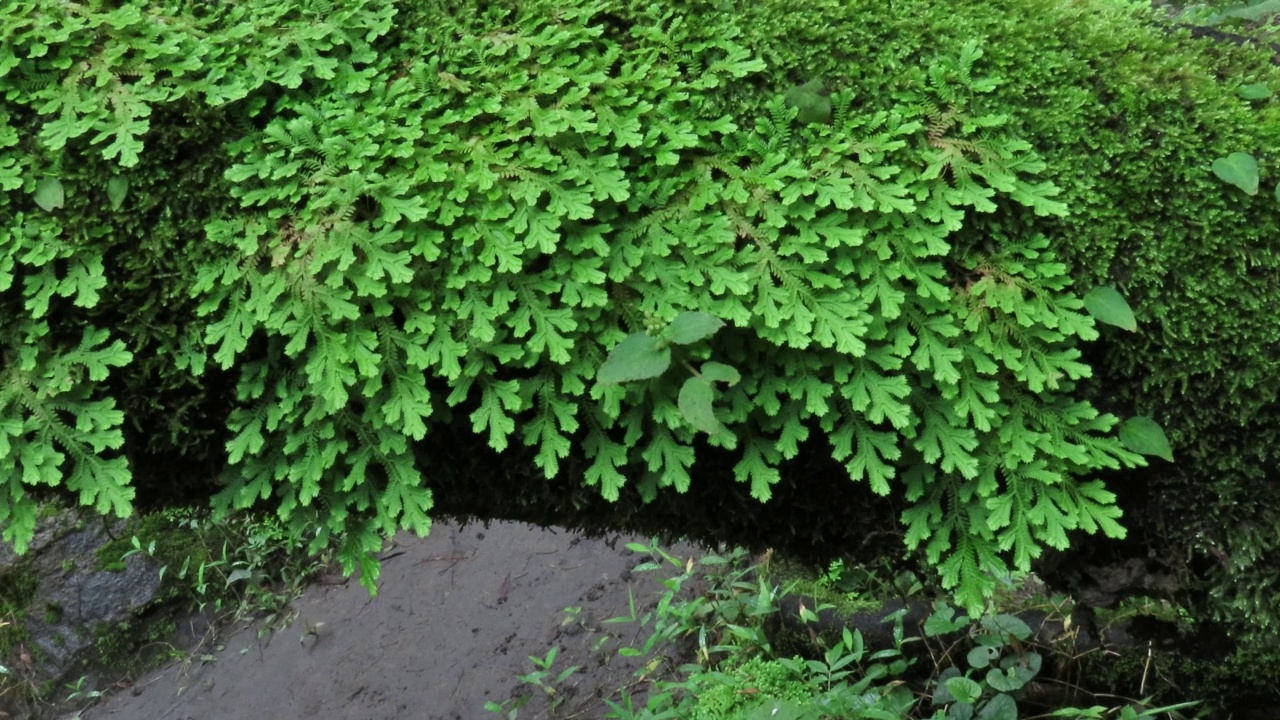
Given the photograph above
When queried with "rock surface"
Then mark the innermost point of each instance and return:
(72, 597)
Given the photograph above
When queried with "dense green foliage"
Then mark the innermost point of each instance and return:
(319, 231)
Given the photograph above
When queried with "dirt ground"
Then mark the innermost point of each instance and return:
(455, 619)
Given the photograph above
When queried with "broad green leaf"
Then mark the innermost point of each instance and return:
(941, 695)
(1143, 435)
(1001, 707)
(1028, 666)
(638, 357)
(719, 372)
(1108, 306)
(1005, 624)
(696, 397)
(981, 657)
(1004, 680)
(1256, 91)
(117, 189)
(1239, 169)
(49, 194)
(690, 327)
(964, 690)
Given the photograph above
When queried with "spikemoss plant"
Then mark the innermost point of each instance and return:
(625, 235)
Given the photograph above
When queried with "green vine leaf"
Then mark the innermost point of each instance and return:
(49, 194)
(1108, 306)
(690, 327)
(1005, 624)
(964, 690)
(1144, 436)
(981, 657)
(1239, 169)
(1000, 707)
(695, 402)
(1005, 681)
(638, 357)
(719, 372)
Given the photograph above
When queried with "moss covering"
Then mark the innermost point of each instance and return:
(17, 589)
(749, 685)
(171, 542)
(135, 646)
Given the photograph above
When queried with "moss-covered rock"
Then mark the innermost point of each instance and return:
(56, 600)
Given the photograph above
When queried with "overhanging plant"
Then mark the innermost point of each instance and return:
(560, 226)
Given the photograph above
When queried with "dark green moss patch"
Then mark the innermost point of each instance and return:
(17, 590)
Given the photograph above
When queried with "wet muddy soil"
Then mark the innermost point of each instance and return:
(456, 617)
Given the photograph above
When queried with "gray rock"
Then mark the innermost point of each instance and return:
(73, 596)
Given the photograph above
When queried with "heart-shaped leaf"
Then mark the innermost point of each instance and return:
(1004, 680)
(1000, 707)
(1005, 624)
(980, 657)
(49, 194)
(964, 690)
(638, 357)
(1108, 306)
(695, 402)
(941, 695)
(690, 327)
(1025, 667)
(1239, 169)
(1144, 436)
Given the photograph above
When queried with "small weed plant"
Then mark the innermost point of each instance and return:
(237, 567)
(718, 613)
